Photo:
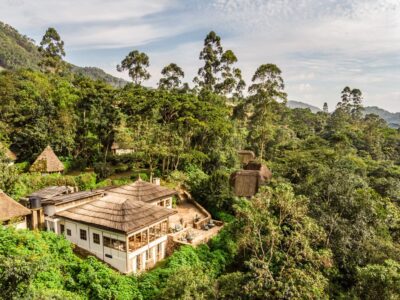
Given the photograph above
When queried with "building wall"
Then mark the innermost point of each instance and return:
(120, 260)
(21, 224)
(115, 258)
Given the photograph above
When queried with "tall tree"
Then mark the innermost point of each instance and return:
(52, 49)
(267, 91)
(135, 63)
(218, 74)
(172, 75)
(351, 103)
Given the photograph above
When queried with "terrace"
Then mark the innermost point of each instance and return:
(192, 224)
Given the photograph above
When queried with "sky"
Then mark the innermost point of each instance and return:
(321, 46)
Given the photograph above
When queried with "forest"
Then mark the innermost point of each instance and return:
(326, 227)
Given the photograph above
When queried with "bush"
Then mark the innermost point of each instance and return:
(86, 181)
(103, 170)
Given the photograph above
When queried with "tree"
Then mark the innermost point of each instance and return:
(267, 91)
(351, 103)
(52, 50)
(379, 281)
(135, 63)
(285, 257)
(218, 74)
(172, 77)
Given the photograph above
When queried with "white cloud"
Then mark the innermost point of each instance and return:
(320, 45)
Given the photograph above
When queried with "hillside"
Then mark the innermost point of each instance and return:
(393, 119)
(298, 104)
(19, 51)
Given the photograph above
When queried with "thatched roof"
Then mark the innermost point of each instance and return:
(117, 213)
(11, 155)
(246, 156)
(265, 173)
(247, 182)
(9, 208)
(47, 162)
(8, 153)
(66, 198)
(142, 191)
(50, 192)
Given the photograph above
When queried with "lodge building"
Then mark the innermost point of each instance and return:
(124, 226)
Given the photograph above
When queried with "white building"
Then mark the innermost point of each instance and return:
(124, 226)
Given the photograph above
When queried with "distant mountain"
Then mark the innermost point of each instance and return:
(393, 119)
(298, 104)
(19, 51)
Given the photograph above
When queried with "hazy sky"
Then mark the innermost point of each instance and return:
(320, 45)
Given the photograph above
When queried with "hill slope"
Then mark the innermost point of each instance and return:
(298, 104)
(393, 119)
(19, 51)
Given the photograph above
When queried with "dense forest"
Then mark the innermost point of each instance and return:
(326, 226)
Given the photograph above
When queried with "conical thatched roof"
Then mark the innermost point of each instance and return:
(142, 191)
(117, 213)
(10, 208)
(47, 162)
(8, 153)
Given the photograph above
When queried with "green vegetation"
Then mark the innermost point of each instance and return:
(18, 51)
(327, 226)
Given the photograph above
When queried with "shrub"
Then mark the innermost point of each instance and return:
(103, 170)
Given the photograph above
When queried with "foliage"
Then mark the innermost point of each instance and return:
(135, 63)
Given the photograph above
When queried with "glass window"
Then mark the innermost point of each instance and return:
(69, 233)
(83, 234)
(62, 228)
(96, 238)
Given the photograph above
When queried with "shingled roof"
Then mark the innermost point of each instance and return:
(117, 213)
(143, 191)
(47, 162)
(10, 208)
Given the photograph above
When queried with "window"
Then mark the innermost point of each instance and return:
(108, 255)
(62, 228)
(69, 233)
(96, 238)
(113, 243)
(83, 234)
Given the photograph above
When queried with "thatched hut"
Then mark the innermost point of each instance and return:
(247, 182)
(246, 156)
(47, 162)
(11, 212)
(129, 235)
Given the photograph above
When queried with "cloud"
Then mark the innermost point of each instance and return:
(322, 44)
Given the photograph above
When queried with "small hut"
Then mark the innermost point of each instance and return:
(245, 156)
(11, 212)
(247, 182)
(116, 149)
(47, 162)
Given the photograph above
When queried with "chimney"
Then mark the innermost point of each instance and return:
(156, 180)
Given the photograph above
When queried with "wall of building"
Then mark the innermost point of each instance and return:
(114, 257)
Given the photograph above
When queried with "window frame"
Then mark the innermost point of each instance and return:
(83, 233)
